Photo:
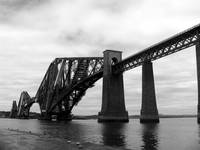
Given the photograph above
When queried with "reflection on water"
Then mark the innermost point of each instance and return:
(168, 134)
(150, 136)
(199, 133)
(113, 134)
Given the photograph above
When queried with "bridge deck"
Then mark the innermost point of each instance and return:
(68, 78)
(166, 47)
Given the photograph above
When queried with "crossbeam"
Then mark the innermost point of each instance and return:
(169, 46)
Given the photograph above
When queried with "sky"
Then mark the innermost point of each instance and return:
(34, 32)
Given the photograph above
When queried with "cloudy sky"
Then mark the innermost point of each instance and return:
(34, 32)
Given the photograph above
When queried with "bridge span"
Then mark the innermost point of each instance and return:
(67, 80)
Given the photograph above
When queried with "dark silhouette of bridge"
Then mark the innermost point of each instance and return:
(67, 80)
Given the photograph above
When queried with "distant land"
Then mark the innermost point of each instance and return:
(34, 115)
(136, 116)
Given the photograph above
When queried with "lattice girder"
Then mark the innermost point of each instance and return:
(23, 110)
(171, 45)
(59, 91)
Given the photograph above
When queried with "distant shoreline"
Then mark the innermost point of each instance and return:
(77, 117)
(33, 115)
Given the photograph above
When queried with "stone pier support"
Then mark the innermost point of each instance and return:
(198, 79)
(113, 105)
(149, 111)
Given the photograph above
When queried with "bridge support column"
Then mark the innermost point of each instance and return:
(149, 111)
(198, 79)
(44, 116)
(113, 105)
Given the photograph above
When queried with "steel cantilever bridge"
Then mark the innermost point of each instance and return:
(67, 80)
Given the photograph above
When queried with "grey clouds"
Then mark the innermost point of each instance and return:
(34, 32)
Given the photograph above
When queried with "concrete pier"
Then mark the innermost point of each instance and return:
(149, 111)
(113, 105)
(198, 79)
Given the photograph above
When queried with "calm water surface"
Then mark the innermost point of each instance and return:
(174, 134)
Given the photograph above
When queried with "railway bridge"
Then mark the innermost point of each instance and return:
(67, 80)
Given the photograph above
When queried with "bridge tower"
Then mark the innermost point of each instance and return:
(149, 111)
(198, 78)
(22, 110)
(13, 112)
(113, 105)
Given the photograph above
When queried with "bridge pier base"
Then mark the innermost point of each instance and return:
(44, 116)
(149, 111)
(198, 79)
(113, 105)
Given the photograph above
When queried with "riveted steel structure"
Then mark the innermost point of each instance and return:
(169, 46)
(67, 79)
(183, 40)
(64, 84)
(24, 105)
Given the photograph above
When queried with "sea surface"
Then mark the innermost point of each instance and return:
(169, 134)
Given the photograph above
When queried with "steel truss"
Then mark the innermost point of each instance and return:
(169, 46)
(66, 81)
(23, 108)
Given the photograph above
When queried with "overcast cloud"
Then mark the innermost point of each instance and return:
(34, 32)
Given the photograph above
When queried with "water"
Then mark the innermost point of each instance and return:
(172, 133)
